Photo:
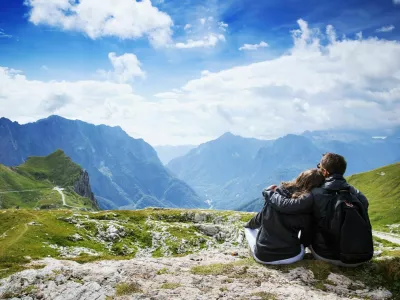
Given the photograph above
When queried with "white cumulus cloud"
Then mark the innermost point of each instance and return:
(125, 19)
(385, 29)
(350, 83)
(187, 27)
(126, 68)
(338, 83)
(210, 40)
(262, 44)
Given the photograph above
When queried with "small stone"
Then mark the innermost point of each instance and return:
(33, 223)
(60, 279)
(234, 254)
(76, 237)
(200, 217)
(209, 230)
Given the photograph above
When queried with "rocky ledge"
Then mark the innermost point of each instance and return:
(170, 254)
(209, 274)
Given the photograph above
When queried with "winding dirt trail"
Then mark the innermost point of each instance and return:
(15, 237)
(393, 238)
(60, 191)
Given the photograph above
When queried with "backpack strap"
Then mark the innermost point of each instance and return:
(340, 202)
(347, 201)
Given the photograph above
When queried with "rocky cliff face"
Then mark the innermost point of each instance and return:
(82, 187)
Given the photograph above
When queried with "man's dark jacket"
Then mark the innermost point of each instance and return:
(278, 236)
(317, 203)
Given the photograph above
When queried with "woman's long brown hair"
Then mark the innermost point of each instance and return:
(304, 183)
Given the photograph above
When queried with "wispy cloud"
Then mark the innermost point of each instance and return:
(396, 1)
(262, 44)
(187, 27)
(210, 40)
(4, 35)
(385, 28)
(222, 26)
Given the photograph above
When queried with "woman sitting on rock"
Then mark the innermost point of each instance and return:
(276, 238)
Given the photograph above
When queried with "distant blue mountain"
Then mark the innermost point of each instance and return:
(254, 205)
(168, 153)
(124, 172)
(218, 170)
(231, 170)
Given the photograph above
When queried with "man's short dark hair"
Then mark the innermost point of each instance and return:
(334, 163)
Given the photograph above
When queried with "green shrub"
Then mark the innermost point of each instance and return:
(170, 285)
(127, 288)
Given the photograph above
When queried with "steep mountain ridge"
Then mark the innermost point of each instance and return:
(53, 181)
(124, 172)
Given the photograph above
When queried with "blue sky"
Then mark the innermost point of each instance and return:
(44, 49)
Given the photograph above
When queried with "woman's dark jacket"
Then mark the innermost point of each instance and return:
(278, 236)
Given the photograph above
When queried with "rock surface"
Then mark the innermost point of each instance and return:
(82, 187)
(169, 254)
(175, 278)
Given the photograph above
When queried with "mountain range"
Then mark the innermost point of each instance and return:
(125, 173)
(225, 173)
(231, 170)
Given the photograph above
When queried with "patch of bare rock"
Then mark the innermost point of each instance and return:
(176, 278)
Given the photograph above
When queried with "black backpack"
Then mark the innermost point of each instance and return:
(347, 228)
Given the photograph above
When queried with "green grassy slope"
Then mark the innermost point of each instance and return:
(22, 191)
(382, 188)
(20, 238)
(31, 184)
(56, 168)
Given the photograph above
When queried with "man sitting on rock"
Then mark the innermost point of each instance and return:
(342, 233)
